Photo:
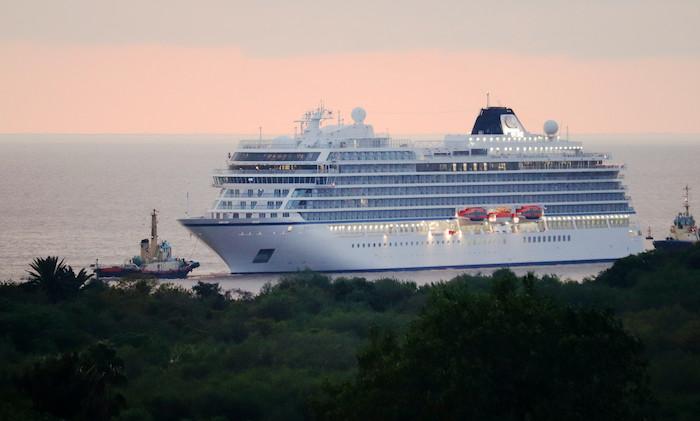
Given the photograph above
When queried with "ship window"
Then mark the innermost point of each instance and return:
(263, 255)
(250, 192)
(276, 156)
(568, 238)
(248, 215)
(285, 214)
(261, 215)
(236, 216)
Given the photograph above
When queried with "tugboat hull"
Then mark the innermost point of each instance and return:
(115, 272)
(121, 272)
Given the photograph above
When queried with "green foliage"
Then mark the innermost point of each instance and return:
(206, 290)
(509, 355)
(202, 354)
(56, 279)
(76, 385)
(213, 354)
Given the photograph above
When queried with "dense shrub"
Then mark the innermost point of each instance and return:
(201, 354)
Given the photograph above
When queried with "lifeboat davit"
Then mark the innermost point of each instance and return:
(474, 214)
(529, 212)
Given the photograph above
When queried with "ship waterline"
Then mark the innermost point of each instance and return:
(339, 198)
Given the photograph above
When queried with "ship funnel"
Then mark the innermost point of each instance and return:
(144, 250)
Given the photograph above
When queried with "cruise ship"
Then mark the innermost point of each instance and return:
(337, 197)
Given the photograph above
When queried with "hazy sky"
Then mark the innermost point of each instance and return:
(417, 67)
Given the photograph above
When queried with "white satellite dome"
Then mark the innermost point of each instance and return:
(358, 115)
(551, 127)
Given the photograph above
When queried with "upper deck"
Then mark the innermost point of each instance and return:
(346, 172)
(357, 142)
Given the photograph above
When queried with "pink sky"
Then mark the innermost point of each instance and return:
(160, 88)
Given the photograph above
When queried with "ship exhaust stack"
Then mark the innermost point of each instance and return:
(144, 250)
(149, 249)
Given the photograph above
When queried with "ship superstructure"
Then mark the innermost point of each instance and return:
(342, 198)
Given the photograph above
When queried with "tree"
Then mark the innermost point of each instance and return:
(58, 280)
(77, 385)
(206, 290)
(507, 355)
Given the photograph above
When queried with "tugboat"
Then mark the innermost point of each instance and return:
(155, 260)
(683, 232)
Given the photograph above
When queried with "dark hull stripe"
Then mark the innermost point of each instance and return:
(412, 269)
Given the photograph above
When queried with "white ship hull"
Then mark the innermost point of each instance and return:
(279, 248)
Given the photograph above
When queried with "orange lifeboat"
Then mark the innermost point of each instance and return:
(500, 213)
(474, 214)
(530, 212)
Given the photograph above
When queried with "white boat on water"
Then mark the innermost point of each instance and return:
(341, 198)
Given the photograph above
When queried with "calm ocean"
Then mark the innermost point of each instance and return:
(89, 196)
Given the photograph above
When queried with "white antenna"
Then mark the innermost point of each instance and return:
(187, 207)
(487, 99)
(260, 134)
(567, 132)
